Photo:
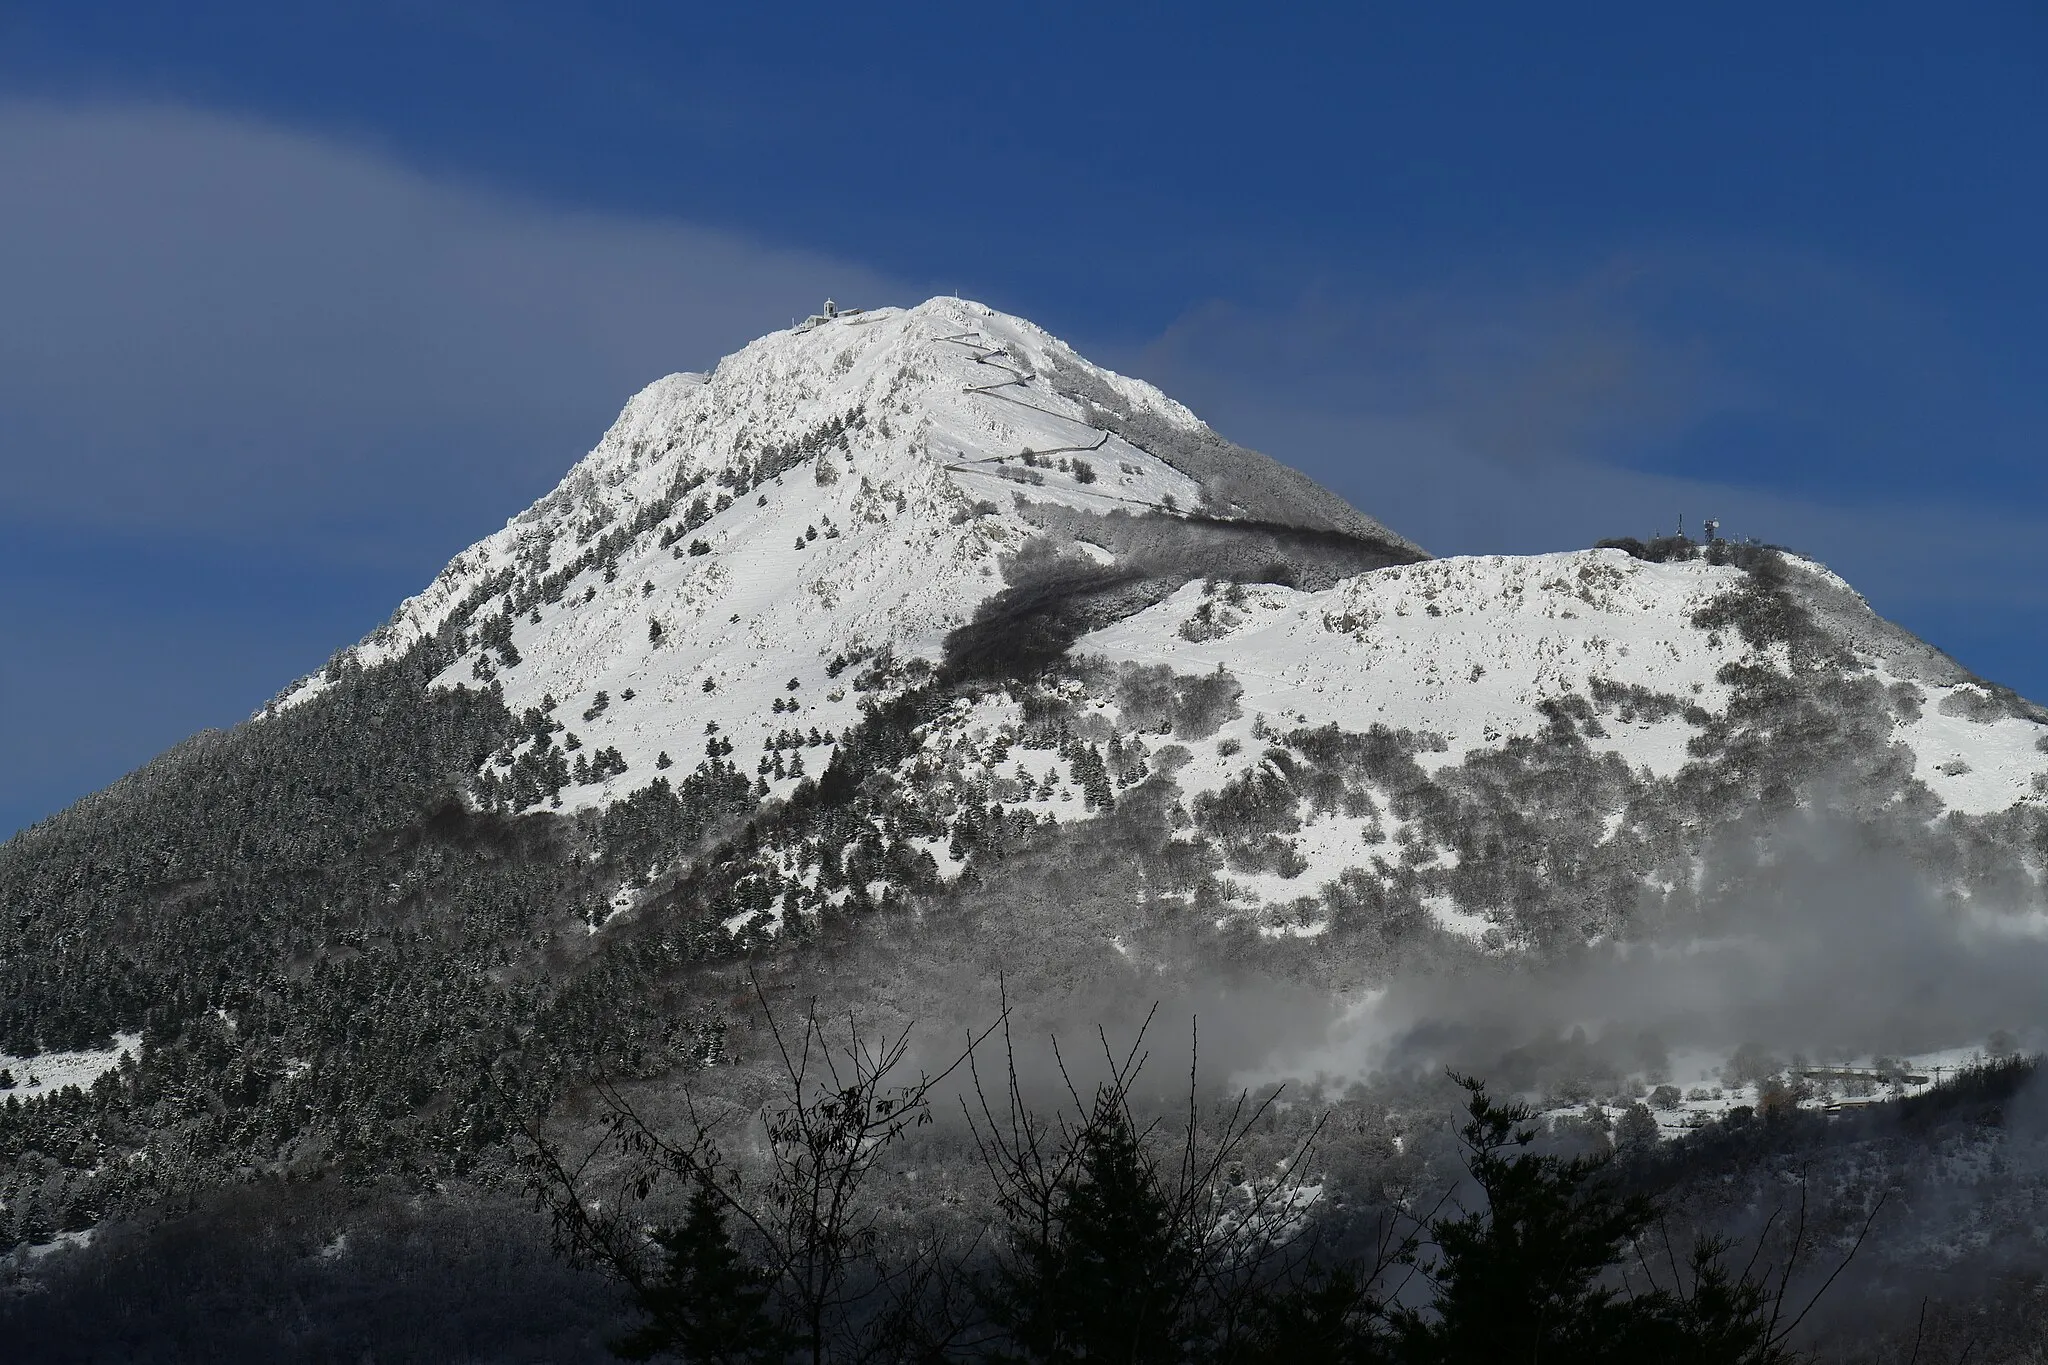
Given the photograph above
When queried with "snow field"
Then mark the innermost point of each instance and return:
(48, 1072)
(1462, 648)
(1976, 767)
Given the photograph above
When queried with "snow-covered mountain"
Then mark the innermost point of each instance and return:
(843, 511)
(914, 663)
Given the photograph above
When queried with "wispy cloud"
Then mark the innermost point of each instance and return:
(235, 330)
(1807, 934)
(1524, 376)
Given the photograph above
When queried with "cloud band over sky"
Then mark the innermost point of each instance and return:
(223, 328)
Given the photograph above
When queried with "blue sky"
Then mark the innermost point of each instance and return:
(297, 301)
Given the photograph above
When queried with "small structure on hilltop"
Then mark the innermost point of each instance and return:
(829, 313)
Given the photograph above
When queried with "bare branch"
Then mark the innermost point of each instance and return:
(1840, 1266)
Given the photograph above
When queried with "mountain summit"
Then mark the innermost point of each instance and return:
(852, 487)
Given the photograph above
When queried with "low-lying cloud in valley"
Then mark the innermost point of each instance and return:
(1807, 937)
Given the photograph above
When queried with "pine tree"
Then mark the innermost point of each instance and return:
(1111, 1278)
(1636, 1134)
(1529, 1276)
(1329, 1318)
(708, 1304)
(1522, 1278)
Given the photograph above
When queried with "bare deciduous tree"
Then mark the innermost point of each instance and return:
(805, 1215)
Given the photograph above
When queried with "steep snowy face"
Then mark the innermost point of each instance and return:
(838, 496)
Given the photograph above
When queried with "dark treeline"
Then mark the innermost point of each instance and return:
(323, 1271)
(1104, 1236)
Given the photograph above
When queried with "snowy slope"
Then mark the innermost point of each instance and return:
(885, 533)
(48, 1072)
(1464, 648)
(1468, 648)
(747, 556)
